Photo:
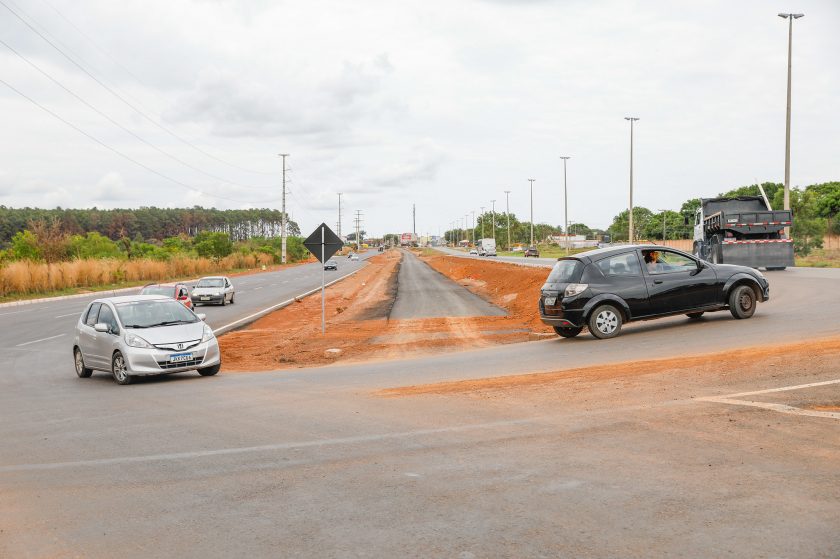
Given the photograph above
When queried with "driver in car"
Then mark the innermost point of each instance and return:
(652, 261)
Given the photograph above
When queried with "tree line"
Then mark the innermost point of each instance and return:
(148, 223)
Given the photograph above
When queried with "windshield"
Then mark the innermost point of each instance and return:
(147, 314)
(214, 282)
(564, 271)
(158, 290)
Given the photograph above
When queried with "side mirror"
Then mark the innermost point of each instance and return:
(101, 327)
(201, 316)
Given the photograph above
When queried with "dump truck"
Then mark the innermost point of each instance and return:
(743, 230)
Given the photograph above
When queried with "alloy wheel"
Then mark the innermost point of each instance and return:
(606, 321)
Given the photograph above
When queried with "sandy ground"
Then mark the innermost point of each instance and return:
(358, 327)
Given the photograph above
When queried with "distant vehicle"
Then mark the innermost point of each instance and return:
(742, 230)
(381, 248)
(408, 240)
(604, 288)
(354, 257)
(474, 251)
(532, 251)
(213, 289)
(516, 248)
(142, 335)
(331, 264)
(177, 291)
(486, 247)
(350, 254)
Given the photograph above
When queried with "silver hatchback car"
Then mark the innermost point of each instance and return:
(142, 335)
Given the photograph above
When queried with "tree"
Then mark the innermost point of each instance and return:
(213, 245)
(93, 245)
(25, 246)
(621, 226)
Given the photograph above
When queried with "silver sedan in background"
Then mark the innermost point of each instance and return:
(213, 289)
(142, 335)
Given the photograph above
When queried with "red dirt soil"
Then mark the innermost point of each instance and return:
(357, 323)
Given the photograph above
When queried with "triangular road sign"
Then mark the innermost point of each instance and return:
(323, 235)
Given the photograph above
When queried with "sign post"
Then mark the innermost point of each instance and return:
(323, 243)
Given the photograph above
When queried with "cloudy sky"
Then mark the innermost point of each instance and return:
(445, 104)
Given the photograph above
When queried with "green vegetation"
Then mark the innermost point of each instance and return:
(548, 250)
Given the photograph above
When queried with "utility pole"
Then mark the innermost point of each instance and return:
(339, 214)
(532, 211)
(663, 225)
(358, 229)
(493, 202)
(632, 119)
(414, 219)
(790, 18)
(566, 202)
(473, 225)
(507, 213)
(466, 227)
(481, 217)
(283, 216)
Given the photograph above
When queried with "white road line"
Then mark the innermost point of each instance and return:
(263, 448)
(260, 287)
(15, 312)
(781, 408)
(71, 314)
(41, 340)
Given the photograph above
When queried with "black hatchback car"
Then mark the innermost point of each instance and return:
(602, 289)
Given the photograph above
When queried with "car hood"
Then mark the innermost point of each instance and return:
(206, 290)
(171, 334)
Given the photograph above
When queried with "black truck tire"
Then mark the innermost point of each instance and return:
(742, 302)
(717, 250)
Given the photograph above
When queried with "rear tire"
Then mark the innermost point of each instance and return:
(568, 331)
(742, 302)
(694, 315)
(119, 369)
(776, 268)
(79, 361)
(605, 322)
(210, 371)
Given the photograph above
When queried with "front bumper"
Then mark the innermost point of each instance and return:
(208, 298)
(143, 362)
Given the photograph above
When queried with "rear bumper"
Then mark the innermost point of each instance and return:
(559, 316)
(558, 321)
(762, 253)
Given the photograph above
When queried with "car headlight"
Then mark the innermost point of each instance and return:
(216, 294)
(575, 289)
(208, 334)
(136, 341)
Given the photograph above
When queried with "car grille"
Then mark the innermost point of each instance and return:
(190, 363)
(174, 346)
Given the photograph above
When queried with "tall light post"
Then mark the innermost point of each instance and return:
(507, 213)
(285, 220)
(566, 201)
(532, 211)
(663, 225)
(790, 18)
(493, 222)
(481, 217)
(466, 226)
(632, 119)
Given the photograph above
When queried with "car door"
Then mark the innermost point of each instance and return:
(677, 283)
(106, 342)
(623, 275)
(88, 337)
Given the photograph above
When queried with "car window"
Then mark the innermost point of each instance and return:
(106, 316)
(621, 265)
(157, 290)
(145, 314)
(665, 261)
(564, 271)
(93, 312)
(210, 282)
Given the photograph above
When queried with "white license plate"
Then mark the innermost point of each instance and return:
(205, 298)
(550, 300)
(179, 357)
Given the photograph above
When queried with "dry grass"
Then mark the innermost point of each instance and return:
(27, 277)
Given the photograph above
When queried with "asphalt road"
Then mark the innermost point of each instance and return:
(426, 293)
(311, 463)
(521, 260)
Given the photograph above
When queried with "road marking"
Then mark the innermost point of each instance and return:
(71, 314)
(14, 312)
(260, 287)
(732, 399)
(264, 448)
(41, 340)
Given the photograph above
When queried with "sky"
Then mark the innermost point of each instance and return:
(439, 104)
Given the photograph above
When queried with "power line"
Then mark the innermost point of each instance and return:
(120, 97)
(120, 126)
(121, 154)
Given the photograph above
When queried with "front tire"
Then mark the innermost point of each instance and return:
(119, 368)
(742, 302)
(232, 295)
(568, 331)
(79, 361)
(210, 371)
(694, 315)
(605, 322)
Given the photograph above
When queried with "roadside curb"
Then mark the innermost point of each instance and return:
(103, 293)
(259, 314)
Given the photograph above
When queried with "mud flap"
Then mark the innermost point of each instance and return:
(758, 254)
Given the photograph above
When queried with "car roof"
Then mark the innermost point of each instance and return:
(131, 298)
(163, 285)
(598, 253)
(212, 277)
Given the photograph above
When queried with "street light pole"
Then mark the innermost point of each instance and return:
(532, 211)
(790, 18)
(566, 202)
(507, 213)
(663, 225)
(481, 217)
(632, 119)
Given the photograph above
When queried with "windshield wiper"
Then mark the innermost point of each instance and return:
(136, 326)
(171, 323)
